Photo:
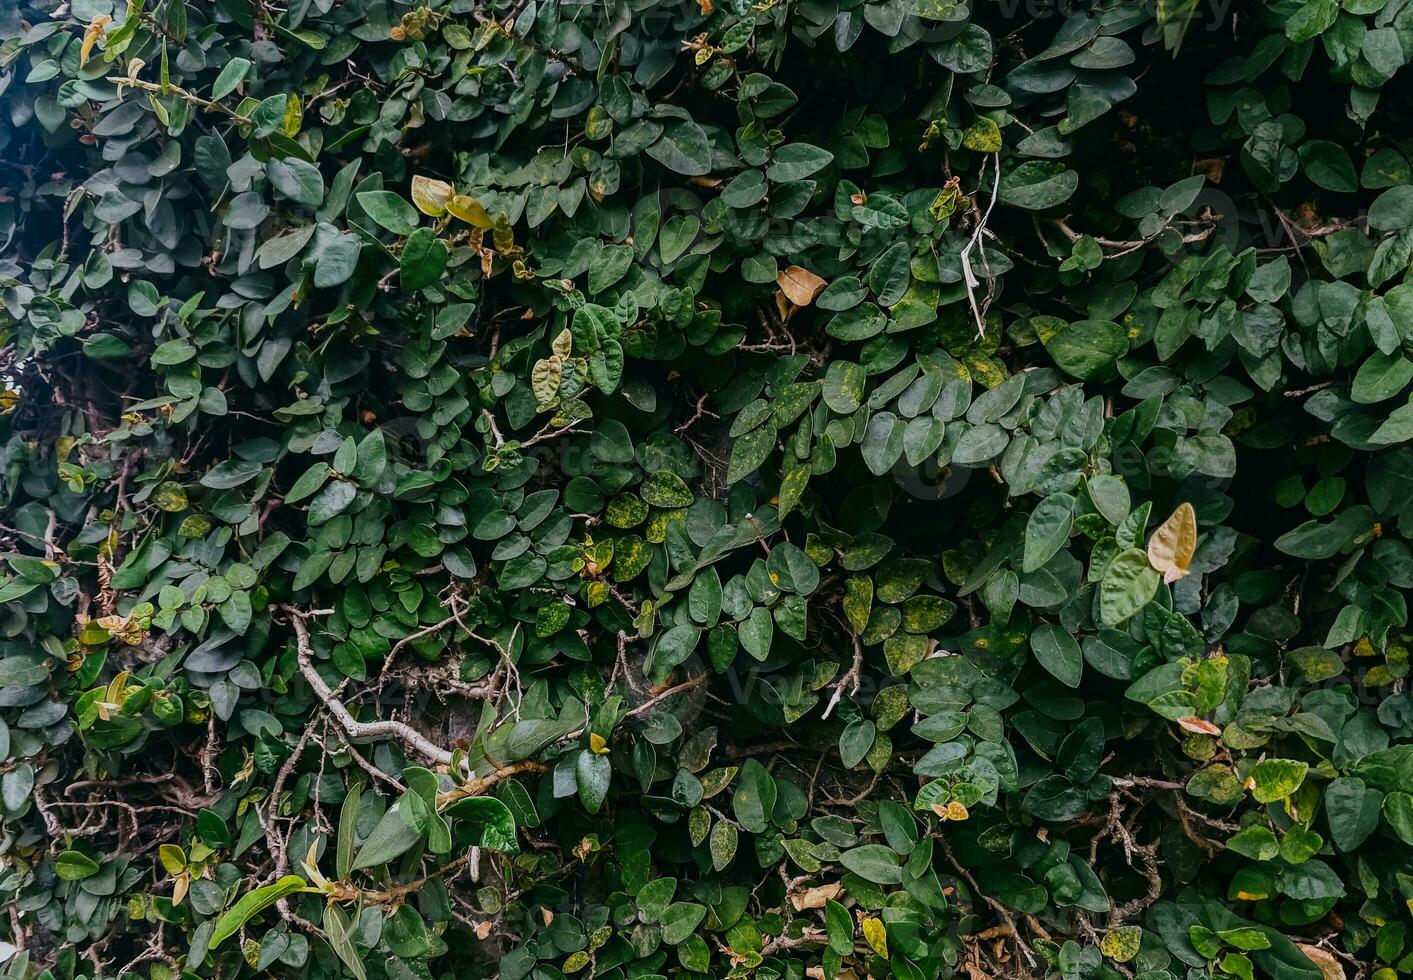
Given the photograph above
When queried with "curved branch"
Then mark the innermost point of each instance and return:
(408, 735)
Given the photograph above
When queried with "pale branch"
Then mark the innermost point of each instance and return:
(181, 93)
(969, 277)
(408, 735)
(851, 676)
(1126, 247)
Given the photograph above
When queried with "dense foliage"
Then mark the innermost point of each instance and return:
(639, 487)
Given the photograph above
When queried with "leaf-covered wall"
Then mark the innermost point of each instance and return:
(638, 488)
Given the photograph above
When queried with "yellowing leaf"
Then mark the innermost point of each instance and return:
(545, 377)
(469, 210)
(598, 744)
(294, 117)
(1172, 546)
(799, 285)
(173, 858)
(91, 34)
(876, 936)
(563, 344)
(431, 196)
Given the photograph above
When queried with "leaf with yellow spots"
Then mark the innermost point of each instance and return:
(1121, 945)
(952, 810)
(984, 136)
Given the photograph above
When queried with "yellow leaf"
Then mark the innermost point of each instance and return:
(598, 744)
(876, 936)
(469, 210)
(91, 35)
(431, 196)
(799, 285)
(117, 685)
(1171, 547)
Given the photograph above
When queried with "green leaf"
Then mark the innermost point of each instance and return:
(75, 866)
(1088, 349)
(1328, 166)
(1047, 530)
(1352, 809)
(683, 149)
(340, 932)
(422, 261)
(484, 821)
(680, 920)
(348, 831)
(391, 837)
(1128, 583)
(390, 211)
(252, 904)
(796, 161)
(873, 862)
(1038, 184)
(666, 489)
(1275, 779)
(722, 844)
(1058, 652)
(592, 773)
(749, 452)
(298, 180)
(754, 798)
(232, 74)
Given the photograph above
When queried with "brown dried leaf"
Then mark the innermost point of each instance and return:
(1324, 959)
(800, 285)
(1198, 726)
(814, 898)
